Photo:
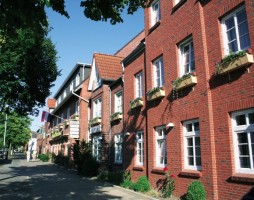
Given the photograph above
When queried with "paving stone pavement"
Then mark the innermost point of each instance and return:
(34, 180)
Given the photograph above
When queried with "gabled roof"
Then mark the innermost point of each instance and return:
(109, 67)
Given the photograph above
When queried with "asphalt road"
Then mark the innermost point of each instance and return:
(20, 179)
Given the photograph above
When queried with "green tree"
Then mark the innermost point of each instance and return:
(17, 132)
(27, 71)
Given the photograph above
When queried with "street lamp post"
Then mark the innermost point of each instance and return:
(5, 127)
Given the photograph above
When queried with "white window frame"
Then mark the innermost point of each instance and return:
(119, 102)
(161, 151)
(248, 128)
(64, 94)
(139, 85)
(158, 72)
(155, 12)
(193, 134)
(118, 148)
(176, 2)
(97, 107)
(140, 148)
(77, 79)
(224, 31)
(97, 148)
(191, 57)
(71, 86)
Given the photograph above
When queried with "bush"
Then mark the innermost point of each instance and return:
(43, 157)
(168, 184)
(196, 191)
(142, 185)
(84, 160)
(127, 184)
(115, 177)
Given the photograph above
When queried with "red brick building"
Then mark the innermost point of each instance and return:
(106, 69)
(69, 112)
(199, 119)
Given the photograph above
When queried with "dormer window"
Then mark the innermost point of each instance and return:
(64, 94)
(77, 79)
(71, 86)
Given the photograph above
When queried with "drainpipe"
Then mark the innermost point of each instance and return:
(145, 73)
(123, 132)
(110, 130)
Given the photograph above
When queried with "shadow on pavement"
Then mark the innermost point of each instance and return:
(5, 162)
(47, 181)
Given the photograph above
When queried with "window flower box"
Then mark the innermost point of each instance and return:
(155, 93)
(60, 126)
(75, 117)
(56, 134)
(135, 103)
(66, 122)
(95, 121)
(116, 116)
(233, 62)
(185, 81)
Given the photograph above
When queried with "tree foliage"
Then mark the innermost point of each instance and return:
(17, 131)
(28, 58)
(27, 71)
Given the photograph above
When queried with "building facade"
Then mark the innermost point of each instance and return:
(69, 110)
(199, 111)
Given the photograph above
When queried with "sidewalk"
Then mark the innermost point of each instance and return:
(37, 180)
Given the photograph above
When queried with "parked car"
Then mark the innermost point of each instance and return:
(4, 153)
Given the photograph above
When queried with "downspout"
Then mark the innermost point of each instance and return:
(145, 72)
(110, 130)
(123, 132)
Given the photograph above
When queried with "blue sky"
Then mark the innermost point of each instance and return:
(77, 38)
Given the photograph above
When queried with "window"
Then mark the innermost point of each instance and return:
(97, 108)
(71, 86)
(158, 72)
(64, 94)
(138, 85)
(97, 148)
(235, 31)
(161, 147)
(155, 12)
(118, 102)
(243, 135)
(187, 62)
(176, 1)
(192, 152)
(118, 148)
(140, 147)
(62, 117)
(77, 79)
(68, 113)
(77, 108)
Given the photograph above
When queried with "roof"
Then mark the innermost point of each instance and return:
(79, 64)
(109, 66)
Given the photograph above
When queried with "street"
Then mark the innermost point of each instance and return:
(20, 179)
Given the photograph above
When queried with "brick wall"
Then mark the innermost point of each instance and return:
(134, 119)
(210, 101)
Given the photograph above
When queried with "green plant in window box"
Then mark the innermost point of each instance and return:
(155, 93)
(116, 115)
(234, 61)
(183, 81)
(95, 121)
(136, 102)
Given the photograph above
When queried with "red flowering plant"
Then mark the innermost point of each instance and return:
(168, 184)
